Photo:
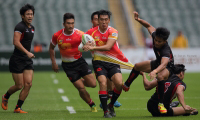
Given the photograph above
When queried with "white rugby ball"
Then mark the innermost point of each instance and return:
(86, 38)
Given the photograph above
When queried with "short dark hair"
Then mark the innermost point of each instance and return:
(104, 12)
(162, 32)
(25, 8)
(179, 68)
(68, 16)
(93, 14)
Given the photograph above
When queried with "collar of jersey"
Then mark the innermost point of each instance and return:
(104, 32)
(67, 34)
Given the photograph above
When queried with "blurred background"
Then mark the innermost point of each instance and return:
(181, 17)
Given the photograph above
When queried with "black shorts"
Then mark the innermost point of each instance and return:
(105, 68)
(18, 65)
(152, 107)
(77, 69)
(155, 64)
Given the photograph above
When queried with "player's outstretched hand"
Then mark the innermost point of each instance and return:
(152, 75)
(30, 55)
(136, 15)
(188, 109)
(55, 67)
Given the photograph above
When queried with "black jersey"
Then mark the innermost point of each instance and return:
(170, 90)
(26, 38)
(165, 51)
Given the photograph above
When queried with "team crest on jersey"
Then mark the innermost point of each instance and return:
(167, 84)
(96, 38)
(60, 42)
(32, 31)
(114, 34)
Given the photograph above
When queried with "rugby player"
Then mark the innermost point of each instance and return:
(74, 65)
(20, 63)
(162, 66)
(174, 87)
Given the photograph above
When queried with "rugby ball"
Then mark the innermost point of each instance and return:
(86, 38)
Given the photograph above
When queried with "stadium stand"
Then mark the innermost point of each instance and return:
(175, 15)
(48, 17)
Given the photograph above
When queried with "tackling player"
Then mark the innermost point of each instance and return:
(162, 66)
(75, 67)
(110, 85)
(21, 64)
(174, 87)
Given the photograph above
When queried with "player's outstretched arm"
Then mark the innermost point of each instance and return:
(148, 85)
(180, 96)
(149, 27)
(52, 56)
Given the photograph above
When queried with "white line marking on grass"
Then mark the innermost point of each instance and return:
(70, 109)
(60, 90)
(53, 76)
(55, 81)
(65, 98)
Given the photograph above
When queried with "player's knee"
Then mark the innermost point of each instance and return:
(19, 87)
(28, 84)
(93, 84)
(160, 77)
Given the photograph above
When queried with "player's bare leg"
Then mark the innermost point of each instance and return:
(84, 94)
(144, 66)
(27, 83)
(89, 81)
(18, 79)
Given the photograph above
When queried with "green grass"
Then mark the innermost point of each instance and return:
(44, 101)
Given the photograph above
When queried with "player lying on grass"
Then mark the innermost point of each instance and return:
(174, 87)
(163, 65)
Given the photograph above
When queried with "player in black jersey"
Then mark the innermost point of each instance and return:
(174, 87)
(21, 64)
(162, 66)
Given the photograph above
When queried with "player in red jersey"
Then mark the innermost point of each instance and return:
(106, 49)
(110, 85)
(20, 63)
(75, 67)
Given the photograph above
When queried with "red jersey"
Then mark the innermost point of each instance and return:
(68, 44)
(114, 55)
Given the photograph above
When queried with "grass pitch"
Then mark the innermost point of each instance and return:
(45, 102)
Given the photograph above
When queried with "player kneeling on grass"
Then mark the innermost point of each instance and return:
(174, 87)
(74, 65)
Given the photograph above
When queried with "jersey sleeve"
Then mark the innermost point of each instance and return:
(54, 40)
(89, 32)
(113, 34)
(19, 28)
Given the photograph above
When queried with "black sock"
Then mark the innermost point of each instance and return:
(19, 104)
(132, 77)
(7, 95)
(103, 98)
(161, 87)
(115, 96)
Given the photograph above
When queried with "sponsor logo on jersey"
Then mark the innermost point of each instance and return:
(27, 30)
(114, 34)
(99, 69)
(104, 37)
(68, 39)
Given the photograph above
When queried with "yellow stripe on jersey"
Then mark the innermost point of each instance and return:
(123, 65)
(93, 33)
